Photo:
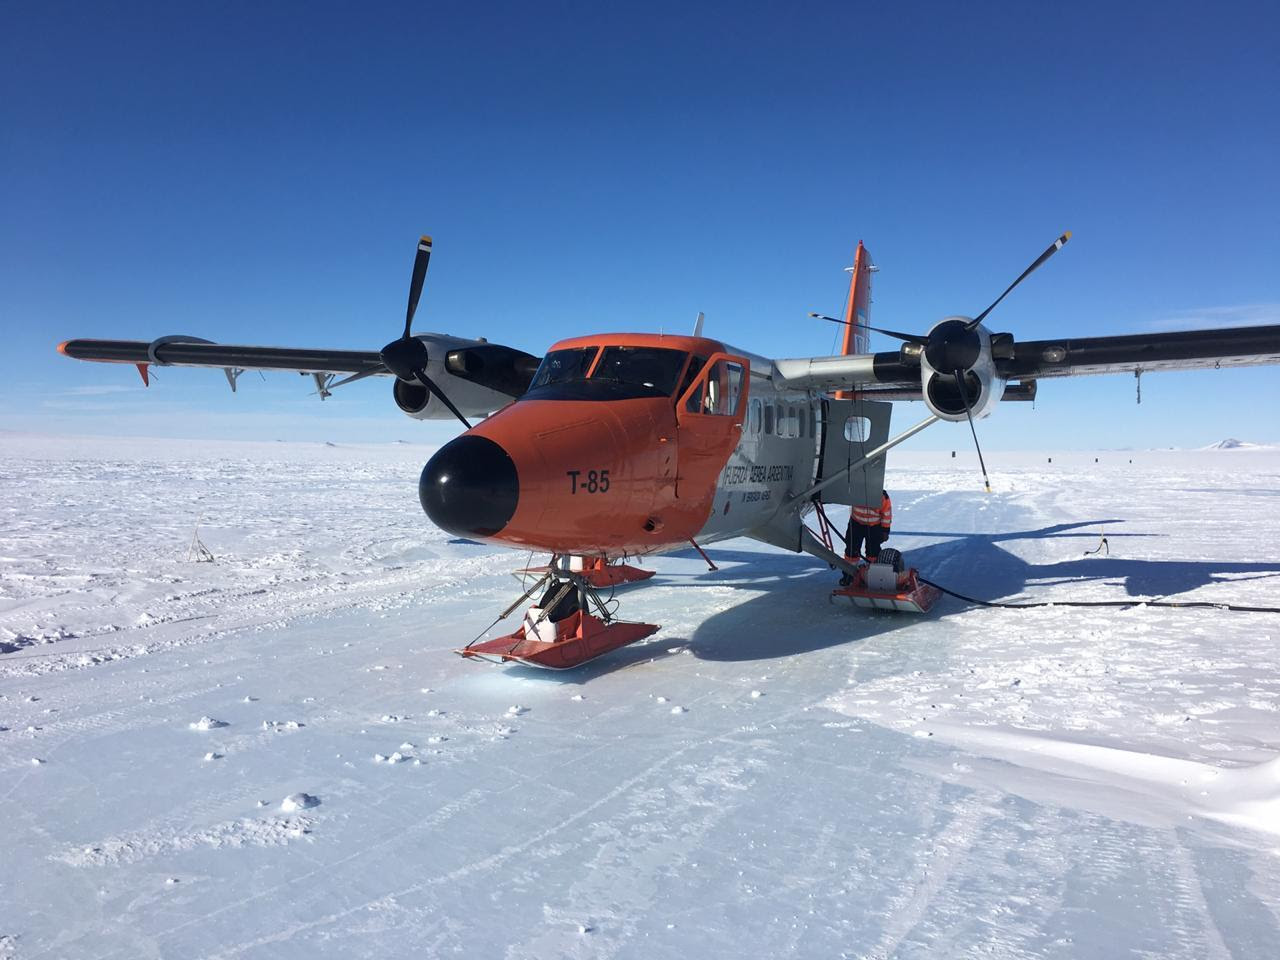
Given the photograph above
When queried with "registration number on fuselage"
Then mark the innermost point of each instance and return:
(588, 481)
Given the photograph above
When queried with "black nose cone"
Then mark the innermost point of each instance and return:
(470, 488)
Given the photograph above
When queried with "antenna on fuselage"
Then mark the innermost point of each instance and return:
(697, 326)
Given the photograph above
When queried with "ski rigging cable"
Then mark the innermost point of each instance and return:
(1207, 604)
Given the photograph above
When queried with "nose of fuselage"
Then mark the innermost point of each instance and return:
(470, 488)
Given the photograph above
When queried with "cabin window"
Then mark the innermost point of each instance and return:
(753, 417)
(768, 418)
(803, 417)
(857, 429)
(560, 366)
(654, 369)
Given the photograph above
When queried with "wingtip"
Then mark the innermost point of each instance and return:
(1066, 236)
(62, 347)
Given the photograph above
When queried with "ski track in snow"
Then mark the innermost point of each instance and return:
(771, 774)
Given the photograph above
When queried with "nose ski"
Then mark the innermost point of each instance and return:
(560, 631)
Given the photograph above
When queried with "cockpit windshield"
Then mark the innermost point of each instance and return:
(620, 373)
(653, 369)
(562, 366)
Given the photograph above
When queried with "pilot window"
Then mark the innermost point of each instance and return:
(721, 390)
(654, 369)
(560, 366)
(695, 367)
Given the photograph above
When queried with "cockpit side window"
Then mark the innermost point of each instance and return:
(654, 369)
(560, 366)
(696, 364)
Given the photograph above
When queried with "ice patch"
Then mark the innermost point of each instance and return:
(146, 845)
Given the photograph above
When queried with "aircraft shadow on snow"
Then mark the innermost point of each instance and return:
(795, 618)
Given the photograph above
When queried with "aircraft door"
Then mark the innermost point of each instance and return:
(852, 429)
(709, 415)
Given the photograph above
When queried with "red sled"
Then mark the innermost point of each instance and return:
(879, 587)
(561, 645)
(598, 573)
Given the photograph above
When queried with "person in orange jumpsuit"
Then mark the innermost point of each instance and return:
(869, 524)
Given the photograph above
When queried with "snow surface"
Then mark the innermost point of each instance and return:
(769, 775)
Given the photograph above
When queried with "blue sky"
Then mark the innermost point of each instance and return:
(259, 173)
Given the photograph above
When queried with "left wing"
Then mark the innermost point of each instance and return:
(430, 368)
(194, 352)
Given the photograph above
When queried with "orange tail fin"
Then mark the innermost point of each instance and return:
(857, 339)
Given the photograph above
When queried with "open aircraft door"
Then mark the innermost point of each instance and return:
(709, 417)
(851, 429)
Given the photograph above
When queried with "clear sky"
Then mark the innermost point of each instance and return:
(260, 172)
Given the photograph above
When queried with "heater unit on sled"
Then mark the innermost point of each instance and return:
(888, 584)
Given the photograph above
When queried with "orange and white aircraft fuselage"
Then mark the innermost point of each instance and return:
(630, 444)
(622, 445)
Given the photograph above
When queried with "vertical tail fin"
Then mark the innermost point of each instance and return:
(857, 339)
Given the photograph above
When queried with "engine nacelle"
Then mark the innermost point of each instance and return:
(477, 377)
(970, 352)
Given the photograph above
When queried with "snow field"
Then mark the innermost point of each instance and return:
(770, 773)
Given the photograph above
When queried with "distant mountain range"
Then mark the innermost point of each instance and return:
(1231, 443)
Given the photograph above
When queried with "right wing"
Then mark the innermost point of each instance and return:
(891, 373)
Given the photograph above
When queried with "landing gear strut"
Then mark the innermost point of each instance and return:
(598, 571)
(561, 630)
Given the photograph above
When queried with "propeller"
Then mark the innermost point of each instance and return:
(1052, 249)
(908, 337)
(968, 410)
(407, 356)
(956, 344)
(952, 344)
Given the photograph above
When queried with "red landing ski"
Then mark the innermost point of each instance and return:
(879, 587)
(567, 643)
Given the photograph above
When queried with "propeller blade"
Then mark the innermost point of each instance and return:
(1053, 248)
(430, 384)
(415, 285)
(972, 429)
(908, 337)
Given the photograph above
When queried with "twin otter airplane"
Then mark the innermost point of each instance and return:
(621, 445)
